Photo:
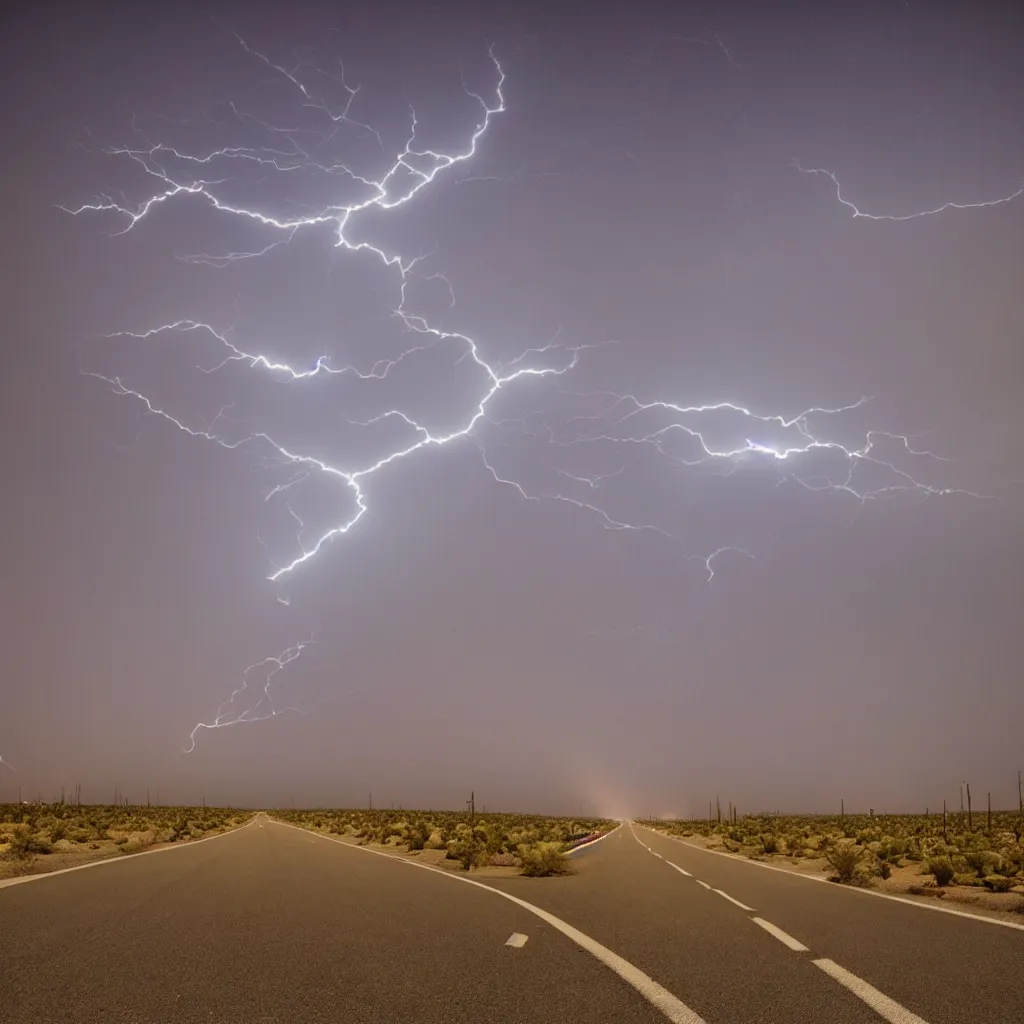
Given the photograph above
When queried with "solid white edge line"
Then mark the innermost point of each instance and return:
(878, 1001)
(845, 888)
(784, 937)
(732, 899)
(681, 871)
(583, 846)
(124, 856)
(658, 996)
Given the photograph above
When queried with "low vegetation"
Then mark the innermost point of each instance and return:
(534, 844)
(956, 854)
(44, 837)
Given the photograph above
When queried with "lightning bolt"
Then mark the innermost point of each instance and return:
(8, 764)
(263, 708)
(1002, 200)
(687, 436)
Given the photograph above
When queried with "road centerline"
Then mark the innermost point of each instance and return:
(784, 937)
(878, 1001)
(732, 899)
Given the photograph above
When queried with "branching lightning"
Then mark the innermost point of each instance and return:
(1002, 200)
(229, 714)
(681, 434)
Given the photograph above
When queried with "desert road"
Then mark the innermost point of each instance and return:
(273, 925)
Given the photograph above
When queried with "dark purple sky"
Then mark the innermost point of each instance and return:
(860, 638)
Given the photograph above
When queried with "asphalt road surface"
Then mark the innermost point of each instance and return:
(273, 925)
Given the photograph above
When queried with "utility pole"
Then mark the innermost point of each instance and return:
(842, 808)
(970, 820)
(945, 838)
(471, 804)
(990, 813)
(147, 797)
(371, 801)
(1020, 794)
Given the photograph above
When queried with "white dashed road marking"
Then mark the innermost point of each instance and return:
(783, 937)
(885, 1007)
(731, 899)
(862, 892)
(517, 940)
(878, 1001)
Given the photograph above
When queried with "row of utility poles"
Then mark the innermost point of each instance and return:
(716, 815)
(120, 800)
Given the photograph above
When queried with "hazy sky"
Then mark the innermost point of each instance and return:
(635, 221)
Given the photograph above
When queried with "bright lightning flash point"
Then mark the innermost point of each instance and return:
(622, 421)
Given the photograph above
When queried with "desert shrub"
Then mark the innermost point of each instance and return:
(942, 869)
(58, 832)
(976, 862)
(20, 841)
(543, 860)
(25, 844)
(997, 883)
(770, 843)
(968, 878)
(417, 835)
(845, 860)
(468, 852)
(505, 860)
(1013, 860)
(882, 868)
(435, 841)
(386, 831)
